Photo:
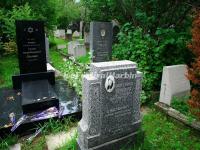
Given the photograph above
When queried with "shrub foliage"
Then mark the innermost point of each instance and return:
(194, 70)
(167, 47)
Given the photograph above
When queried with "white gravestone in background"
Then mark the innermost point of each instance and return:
(79, 50)
(76, 34)
(71, 46)
(87, 37)
(174, 83)
(47, 48)
(60, 33)
(69, 31)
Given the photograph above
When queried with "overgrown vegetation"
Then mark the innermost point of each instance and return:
(70, 71)
(84, 59)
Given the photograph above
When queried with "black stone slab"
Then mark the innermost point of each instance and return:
(11, 103)
(38, 95)
(31, 46)
(18, 79)
(101, 37)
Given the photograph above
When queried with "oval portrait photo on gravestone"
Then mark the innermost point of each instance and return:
(110, 84)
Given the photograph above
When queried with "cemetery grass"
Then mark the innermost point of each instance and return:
(161, 133)
(57, 41)
(39, 143)
(7, 141)
(181, 105)
(8, 68)
(84, 59)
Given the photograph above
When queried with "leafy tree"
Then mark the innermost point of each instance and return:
(148, 14)
(45, 10)
(8, 32)
(17, 13)
(99, 10)
(68, 11)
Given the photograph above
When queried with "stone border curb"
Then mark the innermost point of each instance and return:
(178, 116)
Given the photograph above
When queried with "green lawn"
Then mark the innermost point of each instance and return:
(164, 134)
(57, 40)
(160, 134)
(8, 68)
(84, 59)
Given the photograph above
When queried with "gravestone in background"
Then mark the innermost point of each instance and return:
(47, 48)
(76, 34)
(87, 39)
(79, 50)
(62, 34)
(71, 46)
(59, 33)
(174, 83)
(69, 35)
(111, 106)
(76, 49)
(33, 68)
(81, 28)
(101, 37)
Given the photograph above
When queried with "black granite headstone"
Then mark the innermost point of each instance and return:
(31, 46)
(34, 80)
(101, 37)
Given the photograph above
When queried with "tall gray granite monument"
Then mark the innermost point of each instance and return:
(101, 37)
(111, 106)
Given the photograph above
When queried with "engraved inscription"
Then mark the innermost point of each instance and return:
(119, 112)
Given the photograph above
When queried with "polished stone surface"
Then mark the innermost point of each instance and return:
(11, 103)
(101, 37)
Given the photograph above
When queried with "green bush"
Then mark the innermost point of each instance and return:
(167, 47)
(10, 47)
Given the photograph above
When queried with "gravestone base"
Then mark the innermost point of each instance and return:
(17, 79)
(37, 96)
(69, 37)
(117, 144)
(11, 99)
